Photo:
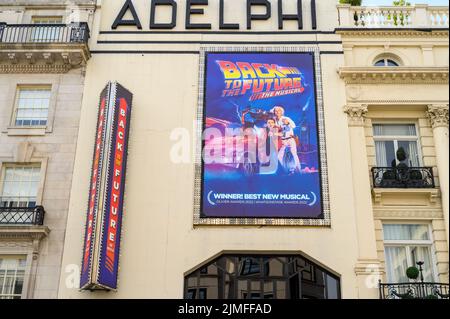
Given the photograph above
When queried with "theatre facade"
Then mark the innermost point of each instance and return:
(260, 149)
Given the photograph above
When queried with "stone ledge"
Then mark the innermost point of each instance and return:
(432, 194)
(26, 131)
(393, 32)
(390, 213)
(42, 57)
(398, 75)
(16, 232)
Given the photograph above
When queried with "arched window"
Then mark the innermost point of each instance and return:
(261, 277)
(386, 61)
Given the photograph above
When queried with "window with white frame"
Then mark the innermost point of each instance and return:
(49, 31)
(404, 246)
(390, 138)
(385, 62)
(19, 185)
(12, 275)
(32, 105)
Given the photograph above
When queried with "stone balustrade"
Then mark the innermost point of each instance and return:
(418, 16)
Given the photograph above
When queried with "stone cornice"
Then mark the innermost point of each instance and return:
(394, 75)
(30, 233)
(42, 57)
(34, 68)
(407, 213)
(432, 194)
(438, 115)
(393, 32)
(356, 114)
(82, 49)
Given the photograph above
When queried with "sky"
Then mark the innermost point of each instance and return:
(389, 2)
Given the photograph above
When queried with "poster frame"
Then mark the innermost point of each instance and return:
(325, 219)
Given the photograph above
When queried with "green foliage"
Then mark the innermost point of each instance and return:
(412, 273)
(400, 18)
(401, 3)
(401, 154)
(431, 297)
(351, 2)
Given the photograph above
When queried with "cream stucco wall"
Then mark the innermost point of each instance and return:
(404, 99)
(159, 242)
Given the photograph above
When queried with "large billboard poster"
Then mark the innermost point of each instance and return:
(260, 154)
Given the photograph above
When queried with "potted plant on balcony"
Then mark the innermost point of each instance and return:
(351, 2)
(357, 3)
(412, 273)
(404, 170)
(400, 19)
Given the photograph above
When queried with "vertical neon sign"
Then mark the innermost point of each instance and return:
(105, 206)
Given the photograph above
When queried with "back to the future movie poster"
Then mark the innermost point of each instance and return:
(260, 138)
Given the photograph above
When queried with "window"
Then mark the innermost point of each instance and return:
(251, 266)
(405, 245)
(32, 104)
(262, 277)
(49, 31)
(19, 185)
(390, 138)
(192, 293)
(385, 62)
(12, 273)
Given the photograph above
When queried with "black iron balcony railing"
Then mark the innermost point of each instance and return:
(22, 215)
(44, 33)
(416, 290)
(403, 177)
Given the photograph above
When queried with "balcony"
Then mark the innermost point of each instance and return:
(23, 223)
(43, 48)
(416, 290)
(393, 17)
(22, 216)
(403, 177)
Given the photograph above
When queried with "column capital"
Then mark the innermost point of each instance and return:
(438, 115)
(356, 114)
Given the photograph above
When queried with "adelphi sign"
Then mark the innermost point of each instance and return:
(193, 10)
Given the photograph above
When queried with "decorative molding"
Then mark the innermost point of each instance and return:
(15, 244)
(42, 57)
(438, 115)
(20, 233)
(394, 75)
(391, 33)
(397, 102)
(356, 114)
(432, 193)
(411, 213)
(34, 68)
